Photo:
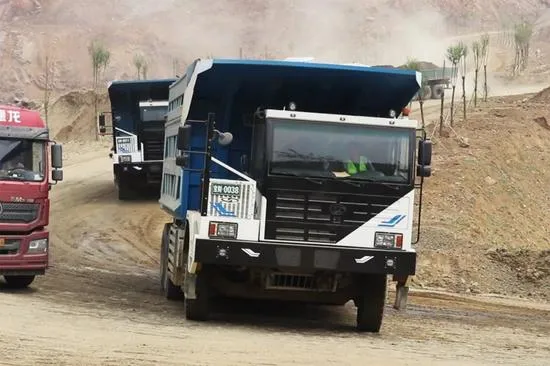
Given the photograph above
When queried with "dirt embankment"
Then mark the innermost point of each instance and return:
(486, 205)
(71, 116)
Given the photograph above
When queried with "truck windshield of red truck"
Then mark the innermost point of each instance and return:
(22, 160)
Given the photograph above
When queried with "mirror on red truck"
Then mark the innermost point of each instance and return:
(57, 162)
(57, 156)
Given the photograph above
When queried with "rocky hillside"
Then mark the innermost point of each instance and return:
(172, 33)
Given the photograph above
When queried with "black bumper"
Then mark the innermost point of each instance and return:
(147, 171)
(305, 257)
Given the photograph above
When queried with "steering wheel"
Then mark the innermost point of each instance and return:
(19, 172)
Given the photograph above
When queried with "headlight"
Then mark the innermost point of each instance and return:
(38, 246)
(388, 240)
(226, 230)
(125, 158)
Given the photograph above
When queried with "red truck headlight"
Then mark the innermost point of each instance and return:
(38, 246)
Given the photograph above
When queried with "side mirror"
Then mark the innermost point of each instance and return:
(425, 152)
(57, 156)
(57, 175)
(101, 120)
(225, 138)
(182, 160)
(184, 137)
(423, 171)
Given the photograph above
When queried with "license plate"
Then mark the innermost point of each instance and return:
(2, 242)
(226, 189)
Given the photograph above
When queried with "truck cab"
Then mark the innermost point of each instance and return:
(297, 184)
(27, 156)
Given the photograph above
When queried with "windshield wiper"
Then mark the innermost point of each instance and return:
(309, 179)
(370, 180)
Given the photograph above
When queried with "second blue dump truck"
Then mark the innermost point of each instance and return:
(138, 111)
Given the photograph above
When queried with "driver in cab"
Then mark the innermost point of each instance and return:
(15, 163)
(356, 162)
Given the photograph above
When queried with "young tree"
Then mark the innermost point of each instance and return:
(144, 70)
(140, 63)
(463, 67)
(454, 55)
(414, 64)
(523, 33)
(476, 52)
(485, 59)
(101, 57)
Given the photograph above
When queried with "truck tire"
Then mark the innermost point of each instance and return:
(370, 303)
(199, 309)
(426, 93)
(437, 91)
(125, 193)
(19, 282)
(171, 291)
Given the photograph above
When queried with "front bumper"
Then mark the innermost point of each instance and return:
(305, 257)
(14, 256)
(149, 172)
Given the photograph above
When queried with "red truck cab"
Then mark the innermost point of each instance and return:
(27, 156)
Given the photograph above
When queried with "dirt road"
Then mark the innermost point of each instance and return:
(100, 304)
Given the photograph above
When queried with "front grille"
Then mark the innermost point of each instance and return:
(18, 213)
(153, 149)
(303, 282)
(314, 216)
(10, 246)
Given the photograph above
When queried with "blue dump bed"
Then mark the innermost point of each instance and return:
(234, 89)
(126, 95)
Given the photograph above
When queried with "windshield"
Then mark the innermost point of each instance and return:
(151, 114)
(22, 160)
(347, 151)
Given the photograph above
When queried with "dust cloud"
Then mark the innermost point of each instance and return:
(370, 32)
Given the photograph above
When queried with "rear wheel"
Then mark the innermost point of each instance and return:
(370, 303)
(426, 92)
(437, 91)
(18, 282)
(125, 193)
(171, 291)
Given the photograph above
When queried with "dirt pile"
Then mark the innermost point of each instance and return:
(541, 97)
(71, 116)
(488, 204)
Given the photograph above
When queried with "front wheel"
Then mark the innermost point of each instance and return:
(199, 308)
(19, 282)
(370, 303)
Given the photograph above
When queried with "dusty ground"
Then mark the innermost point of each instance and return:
(101, 304)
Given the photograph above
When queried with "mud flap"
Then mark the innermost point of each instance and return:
(401, 293)
(190, 285)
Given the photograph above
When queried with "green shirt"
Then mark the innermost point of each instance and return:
(352, 168)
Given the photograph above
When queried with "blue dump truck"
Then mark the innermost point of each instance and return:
(291, 181)
(138, 111)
